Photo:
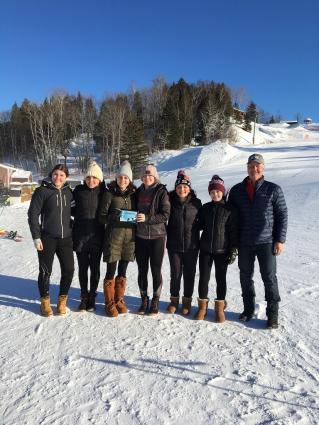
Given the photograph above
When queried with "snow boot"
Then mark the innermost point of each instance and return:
(272, 322)
(219, 311)
(202, 309)
(91, 302)
(61, 306)
(83, 304)
(109, 292)
(186, 306)
(144, 305)
(173, 306)
(154, 306)
(120, 285)
(249, 310)
(45, 307)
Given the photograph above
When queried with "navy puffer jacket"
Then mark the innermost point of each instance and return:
(263, 220)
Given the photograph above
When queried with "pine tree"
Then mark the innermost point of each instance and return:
(250, 115)
(133, 147)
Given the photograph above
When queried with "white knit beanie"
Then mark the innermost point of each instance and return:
(126, 170)
(151, 170)
(94, 171)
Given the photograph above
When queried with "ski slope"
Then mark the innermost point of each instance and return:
(89, 369)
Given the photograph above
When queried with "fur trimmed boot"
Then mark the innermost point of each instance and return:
(109, 293)
(186, 306)
(120, 285)
(202, 309)
(143, 309)
(45, 307)
(219, 311)
(173, 305)
(61, 306)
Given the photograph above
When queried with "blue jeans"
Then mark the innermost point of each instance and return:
(268, 269)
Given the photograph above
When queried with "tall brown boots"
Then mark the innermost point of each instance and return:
(109, 294)
(219, 311)
(120, 285)
(45, 307)
(202, 309)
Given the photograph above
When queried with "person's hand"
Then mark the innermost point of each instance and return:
(232, 256)
(140, 218)
(38, 244)
(278, 248)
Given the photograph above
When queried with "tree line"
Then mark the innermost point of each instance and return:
(123, 126)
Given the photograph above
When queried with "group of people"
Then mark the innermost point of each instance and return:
(92, 221)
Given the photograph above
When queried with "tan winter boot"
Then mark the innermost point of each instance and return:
(61, 306)
(186, 306)
(120, 285)
(109, 293)
(173, 306)
(202, 309)
(45, 307)
(219, 311)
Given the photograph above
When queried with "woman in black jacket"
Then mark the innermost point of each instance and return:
(88, 233)
(51, 202)
(182, 242)
(218, 244)
(154, 209)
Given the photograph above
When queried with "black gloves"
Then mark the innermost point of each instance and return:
(232, 255)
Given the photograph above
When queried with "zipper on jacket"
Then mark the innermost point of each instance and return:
(61, 215)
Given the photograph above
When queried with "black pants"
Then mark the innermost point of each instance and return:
(268, 269)
(150, 251)
(111, 269)
(63, 248)
(89, 260)
(183, 264)
(206, 261)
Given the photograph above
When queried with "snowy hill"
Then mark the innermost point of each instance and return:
(90, 369)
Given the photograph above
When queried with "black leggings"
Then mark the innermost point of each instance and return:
(206, 261)
(183, 264)
(89, 260)
(150, 252)
(111, 269)
(63, 248)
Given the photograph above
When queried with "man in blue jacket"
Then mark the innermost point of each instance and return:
(263, 222)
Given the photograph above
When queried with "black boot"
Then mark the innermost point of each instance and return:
(91, 302)
(272, 322)
(154, 306)
(272, 315)
(144, 304)
(83, 303)
(249, 310)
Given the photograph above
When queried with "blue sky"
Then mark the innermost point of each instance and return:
(100, 47)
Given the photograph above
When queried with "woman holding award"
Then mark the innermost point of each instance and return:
(119, 245)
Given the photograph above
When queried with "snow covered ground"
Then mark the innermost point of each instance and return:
(90, 369)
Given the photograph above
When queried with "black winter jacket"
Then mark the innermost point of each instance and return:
(263, 220)
(53, 206)
(157, 214)
(182, 229)
(220, 227)
(88, 233)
